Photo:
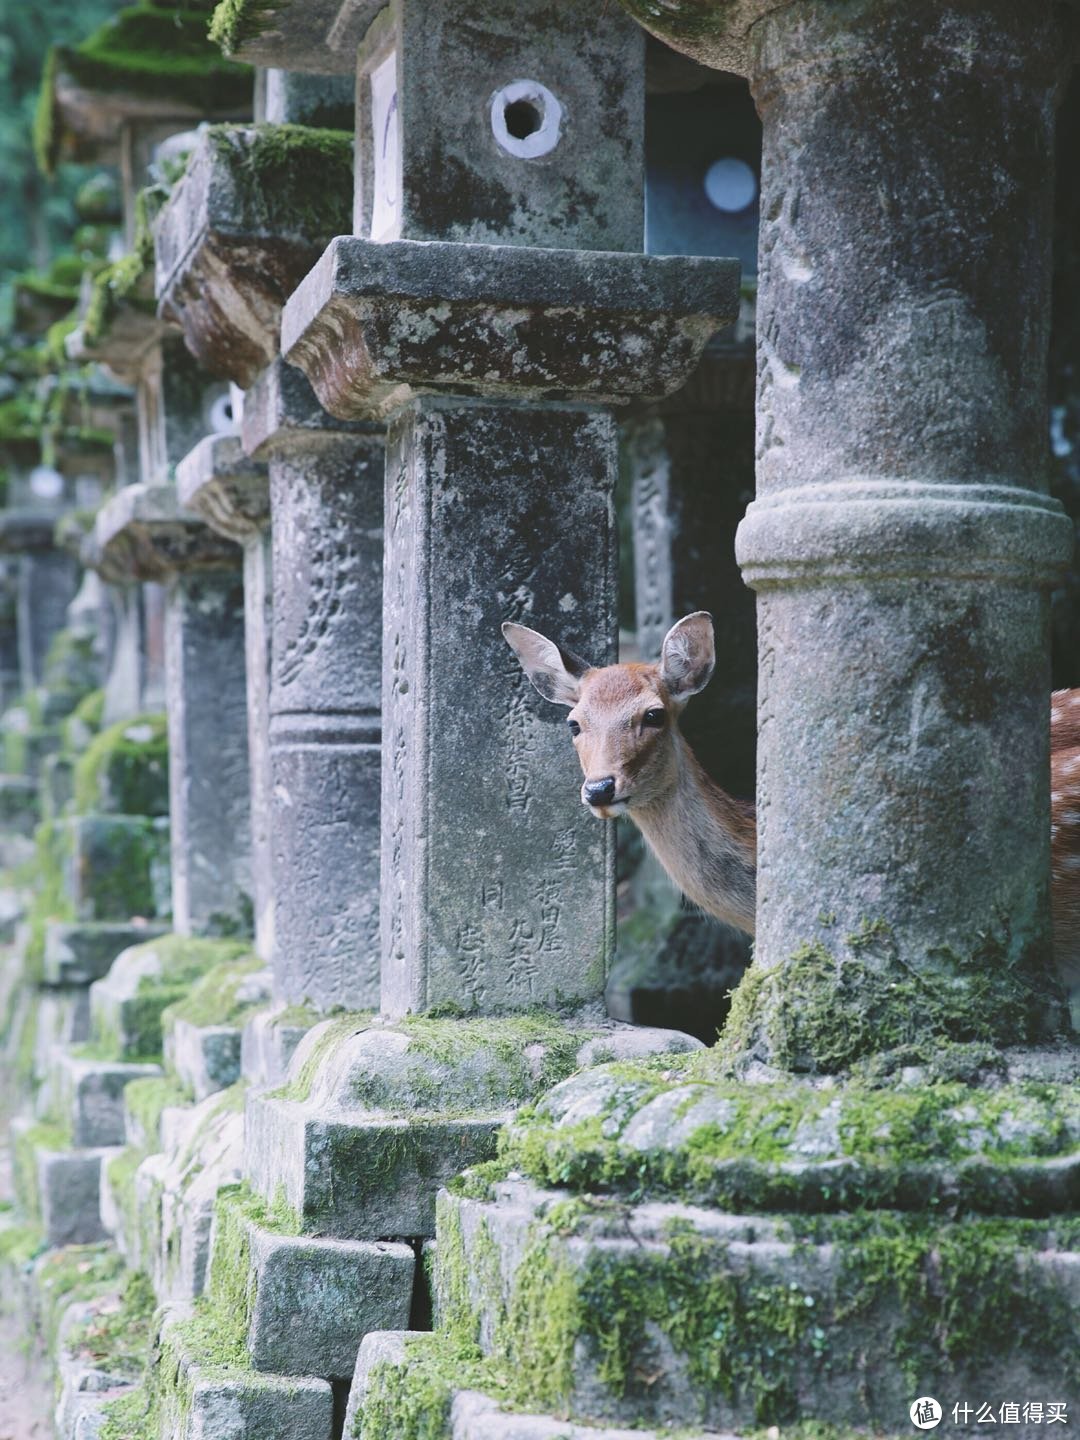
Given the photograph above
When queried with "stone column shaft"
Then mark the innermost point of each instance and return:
(902, 542)
(497, 892)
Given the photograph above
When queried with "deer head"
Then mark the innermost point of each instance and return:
(623, 718)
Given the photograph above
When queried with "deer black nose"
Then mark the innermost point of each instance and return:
(600, 792)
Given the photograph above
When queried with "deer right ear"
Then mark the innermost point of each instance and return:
(555, 672)
(688, 656)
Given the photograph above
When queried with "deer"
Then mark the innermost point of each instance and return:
(624, 720)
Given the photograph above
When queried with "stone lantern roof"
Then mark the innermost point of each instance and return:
(318, 36)
(148, 63)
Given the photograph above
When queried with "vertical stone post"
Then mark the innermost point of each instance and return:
(324, 726)
(231, 493)
(513, 148)
(902, 542)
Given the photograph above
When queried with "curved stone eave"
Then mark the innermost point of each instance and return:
(317, 37)
(715, 33)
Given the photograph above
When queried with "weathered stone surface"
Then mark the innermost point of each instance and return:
(47, 582)
(312, 1301)
(91, 1096)
(269, 1040)
(325, 721)
(203, 1054)
(905, 558)
(288, 97)
(478, 1417)
(374, 324)
(736, 1320)
(19, 809)
(557, 114)
(69, 1187)
(318, 36)
(523, 914)
(209, 779)
(252, 214)
(232, 493)
(234, 1403)
(116, 866)
(144, 533)
(225, 488)
(282, 415)
(376, 1116)
(379, 1347)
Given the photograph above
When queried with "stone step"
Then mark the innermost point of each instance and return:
(307, 1302)
(202, 1032)
(126, 1006)
(393, 1363)
(159, 1206)
(115, 866)
(20, 805)
(89, 1096)
(58, 1187)
(375, 1115)
(81, 954)
(93, 1367)
(269, 1041)
(199, 1396)
(663, 1313)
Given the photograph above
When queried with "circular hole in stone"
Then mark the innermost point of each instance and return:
(730, 185)
(523, 119)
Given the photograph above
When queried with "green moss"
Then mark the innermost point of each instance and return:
(125, 769)
(131, 1416)
(336, 1030)
(775, 1146)
(136, 1033)
(141, 50)
(116, 1336)
(235, 21)
(215, 999)
(290, 179)
(823, 1012)
(19, 1245)
(76, 1272)
(146, 1099)
(52, 850)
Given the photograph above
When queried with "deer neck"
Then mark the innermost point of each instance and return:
(706, 841)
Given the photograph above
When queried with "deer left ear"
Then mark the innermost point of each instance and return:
(555, 671)
(688, 656)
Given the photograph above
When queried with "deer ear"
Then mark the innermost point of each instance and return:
(555, 672)
(688, 655)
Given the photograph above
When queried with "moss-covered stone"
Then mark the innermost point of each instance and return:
(125, 769)
(289, 179)
(830, 1006)
(76, 1272)
(235, 21)
(128, 281)
(142, 50)
(219, 997)
(638, 1131)
(115, 1335)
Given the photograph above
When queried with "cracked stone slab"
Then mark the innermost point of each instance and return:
(144, 533)
(374, 324)
(225, 487)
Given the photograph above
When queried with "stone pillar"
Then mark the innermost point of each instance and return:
(144, 534)
(45, 581)
(326, 481)
(231, 493)
(902, 542)
(497, 888)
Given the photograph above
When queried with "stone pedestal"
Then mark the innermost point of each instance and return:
(144, 534)
(326, 481)
(46, 582)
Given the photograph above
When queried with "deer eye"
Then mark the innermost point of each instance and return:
(654, 719)
(575, 728)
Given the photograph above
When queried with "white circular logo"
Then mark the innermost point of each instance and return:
(925, 1413)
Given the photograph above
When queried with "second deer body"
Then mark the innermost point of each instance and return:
(624, 723)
